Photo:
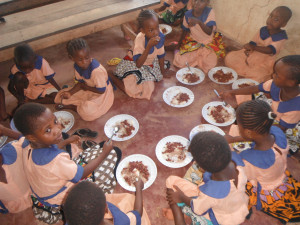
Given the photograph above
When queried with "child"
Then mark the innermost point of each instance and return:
(175, 11)
(221, 199)
(93, 95)
(145, 64)
(86, 204)
(266, 162)
(198, 31)
(3, 113)
(285, 94)
(49, 169)
(31, 77)
(257, 59)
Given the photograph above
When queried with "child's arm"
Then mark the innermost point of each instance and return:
(9, 132)
(72, 91)
(13, 91)
(183, 34)
(162, 8)
(262, 49)
(177, 213)
(230, 139)
(53, 82)
(207, 29)
(2, 172)
(138, 203)
(178, 197)
(92, 89)
(152, 42)
(72, 139)
(242, 91)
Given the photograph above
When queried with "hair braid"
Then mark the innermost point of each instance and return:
(145, 15)
(75, 45)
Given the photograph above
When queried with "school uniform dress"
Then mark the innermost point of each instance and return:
(195, 48)
(175, 10)
(260, 66)
(266, 171)
(139, 82)
(38, 78)
(15, 195)
(90, 105)
(220, 202)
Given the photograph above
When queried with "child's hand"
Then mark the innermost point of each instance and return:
(225, 95)
(139, 184)
(193, 21)
(174, 197)
(65, 95)
(229, 138)
(74, 139)
(153, 41)
(249, 48)
(107, 147)
(169, 73)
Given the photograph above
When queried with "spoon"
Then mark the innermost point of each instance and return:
(224, 103)
(60, 106)
(188, 66)
(115, 131)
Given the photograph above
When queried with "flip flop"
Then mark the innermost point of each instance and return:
(85, 132)
(88, 144)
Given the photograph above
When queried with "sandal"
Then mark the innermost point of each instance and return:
(88, 144)
(85, 132)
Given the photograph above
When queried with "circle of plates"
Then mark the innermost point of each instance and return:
(209, 119)
(236, 83)
(180, 73)
(236, 146)
(160, 148)
(146, 161)
(2, 140)
(170, 93)
(205, 127)
(111, 123)
(167, 27)
(225, 70)
(64, 115)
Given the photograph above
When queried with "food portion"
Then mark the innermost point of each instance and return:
(133, 170)
(219, 114)
(125, 128)
(64, 122)
(190, 77)
(174, 152)
(164, 30)
(246, 85)
(222, 77)
(180, 99)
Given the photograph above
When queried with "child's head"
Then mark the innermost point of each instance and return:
(24, 57)
(211, 151)
(254, 118)
(79, 52)
(199, 5)
(287, 71)
(148, 23)
(85, 205)
(278, 18)
(38, 124)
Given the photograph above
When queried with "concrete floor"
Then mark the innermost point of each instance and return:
(156, 120)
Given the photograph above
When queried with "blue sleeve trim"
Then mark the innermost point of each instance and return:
(80, 80)
(136, 57)
(9, 154)
(11, 76)
(185, 28)
(211, 23)
(137, 216)
(166, 4)
(3, 209)
(78, 174)
(252, 43)
(273, 49)
(261, 88)
(50, 76)
(101, 89)
(161, 56)
(287, 125)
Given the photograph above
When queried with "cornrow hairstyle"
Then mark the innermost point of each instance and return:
(286, 12)
(85, 204)
(211, 151)
(255, 115)
(145, 15)
(75, 45)
(293, 61)
(25, 117)
(23, 53)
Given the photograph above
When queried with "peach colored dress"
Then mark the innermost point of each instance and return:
(15, 195)
(139, 82)
(260, 66)
(228, 203)
(38, 78)
(204, 58)
(121, 210)
(90, 105)
(175, 5)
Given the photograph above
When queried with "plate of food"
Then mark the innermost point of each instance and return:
(165, 29)
(2, 140)
(205, 127)
(217, 114)
(172, 152)
(241, 83)
(241, 146)
(222, 75)
(66, 119)
(133, 166)
(128, 127)
(178, 96)
(190, 77)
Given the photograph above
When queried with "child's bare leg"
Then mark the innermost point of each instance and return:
(3, 113)
(128, 32)
(20, 84)
(60, 107)
(48, 99)
(116, 81)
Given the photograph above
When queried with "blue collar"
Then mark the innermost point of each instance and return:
(87, 72)
(43, 156)
(9, 154)
(25, 143)
(37, 64)
(183, 1)
(264, 34)
(203, 16)
(159, 45)
(120, 218)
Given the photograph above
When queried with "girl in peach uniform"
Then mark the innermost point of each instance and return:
(93, 95)
(257, 59)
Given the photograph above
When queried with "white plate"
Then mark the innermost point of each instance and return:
(64, 115)
(236, 146)
(225, 70)
(160, 148)
(2, 140)
(167, 27)
(170, 93)
(146, 161)
(236, 83)
(12, 125)
(180, 73)
(205, 127)
(209, 119)
(111, 123)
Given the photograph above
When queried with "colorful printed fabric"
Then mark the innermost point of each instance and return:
(169, 18)
(282, 203)
(196, 219)
(217, 45)
(193, 174)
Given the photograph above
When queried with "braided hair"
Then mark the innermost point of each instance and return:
(145, 15)
(255, 115)
(293, 61)
(75, 45)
